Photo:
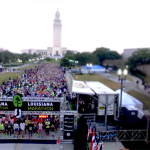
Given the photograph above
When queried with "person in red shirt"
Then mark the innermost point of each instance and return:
(15, 119)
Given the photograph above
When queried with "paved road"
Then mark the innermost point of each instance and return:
(36, 146)
(107, 146)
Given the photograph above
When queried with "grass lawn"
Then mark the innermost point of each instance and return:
(142, 98)
(147, 79)
(95, 77)
(5, 76)
(14, 75)
(52, 61)
(127, 77)
(29, 67)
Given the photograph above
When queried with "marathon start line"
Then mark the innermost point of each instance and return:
(42, 107)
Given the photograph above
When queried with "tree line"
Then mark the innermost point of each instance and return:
(137, 62)
(6, 56)
(96, 57)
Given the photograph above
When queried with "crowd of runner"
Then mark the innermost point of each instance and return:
(27, 125)
(46, 80)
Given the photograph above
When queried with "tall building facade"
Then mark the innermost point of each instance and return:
(57, 34)
(56, 50)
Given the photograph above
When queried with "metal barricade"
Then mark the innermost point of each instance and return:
(107, 136)
(122, 135)
(132, 135)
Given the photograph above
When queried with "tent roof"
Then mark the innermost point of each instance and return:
(81, 88)
(100, 88)
(129, 100)
(93, 67)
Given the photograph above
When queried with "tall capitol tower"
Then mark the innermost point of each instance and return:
(57, 26)
(56, 50)
(57, 30)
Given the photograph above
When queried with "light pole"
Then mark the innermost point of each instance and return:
(122, 78)
(10, 62)
(76, 62)
(3, 56)
(89, 66)
(71, 61)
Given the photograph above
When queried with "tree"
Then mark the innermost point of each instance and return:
(6, 55)
(113, 55)
(65, 62)
(105, 53)
(140, 57)
(101, 54)
(86, 57)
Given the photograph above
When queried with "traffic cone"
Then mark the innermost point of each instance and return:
(58, 141)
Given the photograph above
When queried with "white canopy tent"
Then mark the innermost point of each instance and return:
(130, 100)
(79, 87)
(131, 103)
(106, 100)
(100, 88)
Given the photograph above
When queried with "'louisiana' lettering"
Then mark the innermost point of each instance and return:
(40, 104)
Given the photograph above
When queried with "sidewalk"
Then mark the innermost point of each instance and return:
(35, 146)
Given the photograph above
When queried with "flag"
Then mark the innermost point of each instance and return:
(89, 131)
(99, 146)
(93, 139)
(95, 147)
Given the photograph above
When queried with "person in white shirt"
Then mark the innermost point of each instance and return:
(22, 127)
(16, 129)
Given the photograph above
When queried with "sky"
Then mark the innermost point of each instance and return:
(86, 24)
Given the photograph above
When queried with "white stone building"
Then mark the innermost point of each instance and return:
(56, 50)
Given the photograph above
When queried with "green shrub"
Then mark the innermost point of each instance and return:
(139, 74)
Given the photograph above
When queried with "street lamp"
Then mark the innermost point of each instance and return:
(76, 62)
(10, 62)
(71, 61)
(122, 77)
(89, 66)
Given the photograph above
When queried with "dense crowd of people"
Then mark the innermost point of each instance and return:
(46, 80)
(27, 125)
